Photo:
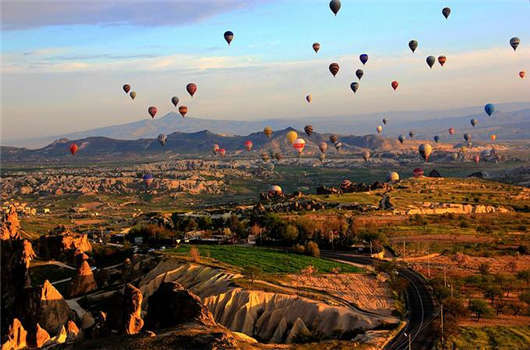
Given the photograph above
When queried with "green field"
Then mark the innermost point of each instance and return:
(268, 260)
(486, 338)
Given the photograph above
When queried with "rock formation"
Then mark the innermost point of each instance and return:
(10, 225)
(41, 337)
(16, 336)
(83, 282)
(125, 315)
(61, 243)
(72, 332)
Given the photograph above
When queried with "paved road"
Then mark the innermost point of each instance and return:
(419, 303)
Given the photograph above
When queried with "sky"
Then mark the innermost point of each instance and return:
(63, 63)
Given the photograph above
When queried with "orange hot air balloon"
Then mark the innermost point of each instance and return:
(73, 148)
(248, 145)
(493, 137)
(152, 111)
(395, 85)
(522, 74)
(316, 47)
(191, 88)
(183, 110)
(441, 60)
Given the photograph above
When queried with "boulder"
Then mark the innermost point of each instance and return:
(83, 282)
(16, 336)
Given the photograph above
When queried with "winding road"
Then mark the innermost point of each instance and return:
(420, 306)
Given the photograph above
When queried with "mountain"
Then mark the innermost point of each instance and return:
(179, 143)
(506, 123)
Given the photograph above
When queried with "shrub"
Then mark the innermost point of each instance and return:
(480, 308)
(312, 249)
(299, 249)
(290, 233)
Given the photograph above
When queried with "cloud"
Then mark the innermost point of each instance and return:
(27, 14)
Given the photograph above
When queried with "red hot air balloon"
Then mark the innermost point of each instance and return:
(299, 145)
(476, 158)
(441, 60)
(417, 172)
(334, 68)
(395, 85)
(73, 148)
(183, 110)
(152, 111)
(451, 131)
(191, 88)
(221, 151)
(215, 148)
(126, 88)
(522, 74)
(316, 47)
(248, 145)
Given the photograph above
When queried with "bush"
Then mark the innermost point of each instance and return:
(312, 249)
(290, 233)
(299, 249)
(480, 308)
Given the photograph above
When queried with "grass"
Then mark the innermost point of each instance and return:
(486, 338)
(268, 260)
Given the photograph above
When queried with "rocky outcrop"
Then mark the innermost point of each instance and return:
(27, 253)
(83, 282)
(72, 331)
(61, 243)
(16, 336)
(385, 204)
(41, 337)
(10, 225)
(451, 208)
(132, 308)
(172, 305)
(299, 333)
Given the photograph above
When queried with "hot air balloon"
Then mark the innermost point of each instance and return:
(248, 145)
(363, 58)
(148, 179)
(384, 121)
(323, 146)
(126, 88)
(522, 74)
(334, 5)
(152, 111)
(430, 61)
(354, 86)
(441, 60)
(395, 85)
(417, 172)
(493, 137)
(451, 131)
(73, 148)
(133, 94)
(322, 157)
(514, 42)
(446, 12)
(366, 155)
(489, 108)
(338, 145)
(316, 47)
(183, 110)
(467, 137)
(425, 150)
(229, 36)
(359, 73)
(401, 139)
(333, 138)
(476, 158)
(308, 130)
(267, 131)
(299, 145)
(379, 129)
(191, 88)
(334, 68)
(221, 151)
(308, 98)
(175, 100)
(473, 122)
(291, 136)
(393, 177)
(411, 134)
(275, 189)
(215, 148)
(278, 156)
(436, 138)
(413, 45)
(162, 139)
(265, 156)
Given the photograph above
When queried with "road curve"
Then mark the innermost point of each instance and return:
(420, 306)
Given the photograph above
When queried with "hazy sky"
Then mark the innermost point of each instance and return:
(64, 62)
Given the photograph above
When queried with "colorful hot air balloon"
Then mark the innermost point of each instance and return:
(73, 148)
(442, 60)
(275, 189)
(430, 61)
(338, 145)
(215, 148)
(451, 131)
(183, 110)
(221, 151)
(299, 145)
(359, 73)
(354, 86)
(229, 36)
(334, 5)
(476, 158)
(417, 172)
(175, 100)
(493, 137)
(395, 85)
(316, 47)
(401, 139)
(363, 58)
(308, 130)
(379, 129)
(291, 136)
(191, 88)
(133, 94)
(334, 68)
(467, 137)
(333, 138)
(473, 122)
(413, 45)
(323, 146)
(308, 98)
(248, 145)
(522, 74)
(126, 88)
(425, 150)
(384, 121)
(514, 42)
(446, 12)
(162, 139)
(148, 179)
(366, 155)
(152, 111)
(267, 131)
(489, 108)
(322, 157)
(411, 134)
(436, 138)
(393, 177)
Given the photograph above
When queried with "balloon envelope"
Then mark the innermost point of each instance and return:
(175, 100)
(395, 85)
(133, 94)
(248, 145)
(442, 60)
(334, 5)
(493, 137)
(308, 130)
(162, 139)
(436, 138)
(316, 47)
(334, 68)
(366, 155)
(430, 61)
(401, 138)
(393, 176)
(229, 36)
(191, 88)
(333, 138)
(379, 129)
(413, 45)
(489, 109)
(446, 12)
(148, 179)
(183, 110)
(323, 146)
(291, 136)
(359, 73)
(152, 111)
(522, 74)
(363, 58)
(451, 131)
(514, 42)
(425, 150)
(126, 88)
(73, 148)
(267, 131)
(354, 86)
(308, 98)
(299, 145)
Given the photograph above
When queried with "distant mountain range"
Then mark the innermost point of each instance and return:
(511, 121)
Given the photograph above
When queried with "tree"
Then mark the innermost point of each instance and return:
(312, 249)
(492, 292)
(479, 308)
(291, 233)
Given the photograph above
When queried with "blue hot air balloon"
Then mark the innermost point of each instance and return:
(364, 58)
(490, 109)
(148, 179)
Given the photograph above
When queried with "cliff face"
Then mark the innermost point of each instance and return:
(10, 225)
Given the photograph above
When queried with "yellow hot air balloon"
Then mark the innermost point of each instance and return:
(425, 151)
(291, 136)
(267, 131)
(493, 137)
(393, 177)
